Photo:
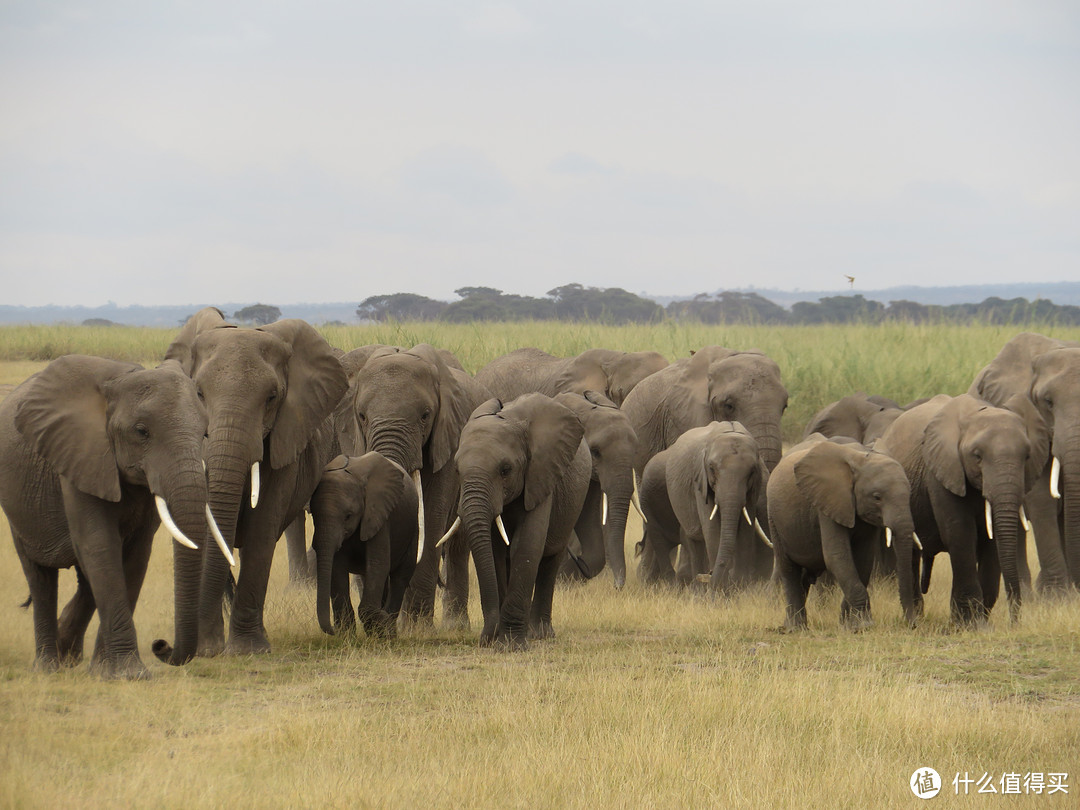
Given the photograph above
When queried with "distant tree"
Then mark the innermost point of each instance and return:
(728, 307)
(99, 322)
(574, 302)
(258, 314)
(400, 307)
(838, 309)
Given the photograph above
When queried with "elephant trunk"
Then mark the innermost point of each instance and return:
(730, 503)
(766, 432)
(477, 513)
(393, 439)
(903, 536)
(1004, 497)
(324, 554)
(619, 491)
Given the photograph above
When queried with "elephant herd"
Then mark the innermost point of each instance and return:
(410, 467)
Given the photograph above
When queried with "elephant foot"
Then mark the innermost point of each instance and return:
(542, 631)
(247, 645)
(127, 668)
(1052, 587)
(70, 651)
(794, 623)
(47, 663)
(858, 620)
(510, 641)
(620, 581)
(379, 624)
(455, 620)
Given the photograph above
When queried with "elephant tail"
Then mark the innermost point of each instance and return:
(29, 601)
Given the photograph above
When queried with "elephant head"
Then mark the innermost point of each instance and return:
(970, 447)
(610, 372)
(354, 498)
(1055, 390)
(106, 427)
(266, 392)
(510, 460)
(858, 416)
(612, 443)
(848, 483)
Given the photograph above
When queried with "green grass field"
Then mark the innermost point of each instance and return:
(647, 697)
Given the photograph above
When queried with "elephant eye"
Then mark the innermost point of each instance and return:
(505, 469)
(1049, 402)
(142, 430)
(977, 453)
(361, 417)
(199, 394)
(425, 415)
(595, 452)
(270, 399)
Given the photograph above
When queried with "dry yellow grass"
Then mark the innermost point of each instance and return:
(647, 698)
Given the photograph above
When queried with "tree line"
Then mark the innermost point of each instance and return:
(575, 302)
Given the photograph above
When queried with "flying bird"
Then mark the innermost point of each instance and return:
(851, 280)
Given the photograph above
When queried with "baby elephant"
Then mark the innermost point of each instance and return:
(364, 511)
(702, 493)
(828, 502)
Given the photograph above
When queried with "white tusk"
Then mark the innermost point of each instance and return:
(636, 500)
(502, 529)
(170, 524)
(419, 514)
(917, 541)
(715, 508)
(450, 532)
(1023, 519)
(218, 537)
(989, 521)
(746, 515)
(254, 485)
(888, 537)
(603, 513)
(761, 533)
(1055, 478)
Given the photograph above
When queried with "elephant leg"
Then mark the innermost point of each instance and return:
(655, 564)
(966, 602)
(301, 572)
(74, 621)
(43, 599)
(989, 573)
(698, 559)
(247, 634)
(796, 586)
(840, 559)
(590, 533)
(540, 620)
(440, 490)
(340, 598)
(685, 565)
(456, 596)
(1042, 512)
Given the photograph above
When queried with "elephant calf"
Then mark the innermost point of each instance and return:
(364, 511)
(828, 502)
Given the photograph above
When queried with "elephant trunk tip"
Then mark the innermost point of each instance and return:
(165, 653)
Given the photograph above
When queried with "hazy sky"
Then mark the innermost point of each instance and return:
(283, 152)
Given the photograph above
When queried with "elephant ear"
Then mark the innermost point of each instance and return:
(453, 407)
(941, 449)
(598, 399)
(1038, 435)
(63, 413)
(554, 434)
(826, 478)
(382, 484)
(316, 383)
(182, 349)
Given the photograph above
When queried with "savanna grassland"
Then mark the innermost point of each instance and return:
(647, 698)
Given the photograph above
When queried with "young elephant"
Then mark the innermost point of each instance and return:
(525, 468)
(702, 493)
(828, 502)
(364, 511)
(94, 451)
(970, 465)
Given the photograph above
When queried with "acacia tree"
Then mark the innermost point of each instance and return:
(258, 314)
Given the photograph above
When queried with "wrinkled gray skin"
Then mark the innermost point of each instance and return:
(858, 416)
(960, 453)
(612, 444)
(715, 385)
(86, 444)
(716, 466)
(528, 462)
(410, 406)
(1047, 371)
(364, 511)
(612, 373)
(269, 394)
(828, 502)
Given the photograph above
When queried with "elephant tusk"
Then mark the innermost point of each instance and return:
(419, 514)
(254, 485)
(219, 537)
(1024, 519)
(603, 511)
(761, 533)
(502, 529)
(450, 532)
(916, 540)
(170, 524)
(888, 537)
(1055, 478)
(746, 515)
(636, 500)
(715, 509)
(989, 521)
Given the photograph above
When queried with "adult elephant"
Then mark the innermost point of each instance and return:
(970, 464)
(601, 529)
(269, 393)
(714, 385)
(858, 416)
(828, 502)
(1047, 371)
(612, 373)
(94, 452)
(523, 466)
(702, 493)
(364, 511)
(410, 406)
